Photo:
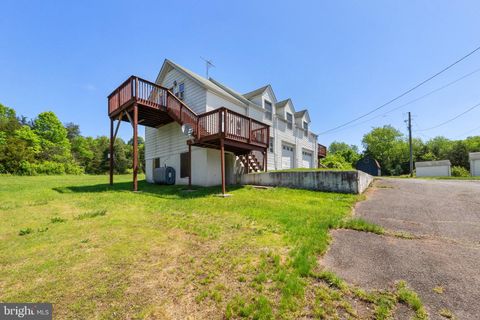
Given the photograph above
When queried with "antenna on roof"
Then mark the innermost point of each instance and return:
(208, 64)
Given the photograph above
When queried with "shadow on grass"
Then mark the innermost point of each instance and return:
(162, 191)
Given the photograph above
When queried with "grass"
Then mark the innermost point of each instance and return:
(90, 248)
(311, 169)
(360, 224)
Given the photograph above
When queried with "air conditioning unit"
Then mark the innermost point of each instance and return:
(164, 175)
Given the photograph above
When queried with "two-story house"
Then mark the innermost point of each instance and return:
(292, 144)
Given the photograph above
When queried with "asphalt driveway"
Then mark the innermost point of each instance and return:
(445, 215)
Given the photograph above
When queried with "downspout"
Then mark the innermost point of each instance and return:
(296, 146)
(275, 125)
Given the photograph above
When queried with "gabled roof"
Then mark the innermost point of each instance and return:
(207, 84)
(283, 103)
(256, 92)
(300, 114)
(231, 91)
(303, 113)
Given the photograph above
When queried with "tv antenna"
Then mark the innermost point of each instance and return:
(208, 64)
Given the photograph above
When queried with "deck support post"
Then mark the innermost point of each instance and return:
(189, 165)
(265, 161)
(111, 152)
(222, 160)
(135, 146)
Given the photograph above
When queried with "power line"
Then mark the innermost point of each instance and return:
(467, 132)
(406, 92)
(451, 119)
(411, 101)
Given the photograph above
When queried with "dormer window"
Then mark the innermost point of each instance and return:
(289, 121)
(268, 110)
(305, 127)
(181, 91)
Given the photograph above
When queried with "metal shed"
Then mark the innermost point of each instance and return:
(474, 158)
(439, 168)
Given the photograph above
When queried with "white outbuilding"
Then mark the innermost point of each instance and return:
(474, 158)
(439, 168)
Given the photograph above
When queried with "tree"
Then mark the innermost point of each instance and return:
(458, 155)
(473, 144)
(386, 144)
(140, 141)
(440, 147)
(73, 130)
(348, 152)
(53, 137)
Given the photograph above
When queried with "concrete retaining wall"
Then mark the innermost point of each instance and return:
(335, 181)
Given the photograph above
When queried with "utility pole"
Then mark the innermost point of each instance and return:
(410, 142)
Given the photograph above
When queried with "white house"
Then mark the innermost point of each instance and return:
(292, 144)
(439, 168)
(474, 158)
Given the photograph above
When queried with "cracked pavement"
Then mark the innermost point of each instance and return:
(444, 217)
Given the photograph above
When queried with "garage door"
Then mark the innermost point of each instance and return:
(287, 156)
(307, 159)
(476, 167)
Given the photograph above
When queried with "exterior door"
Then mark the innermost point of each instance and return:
(307, 159)
(287, 156)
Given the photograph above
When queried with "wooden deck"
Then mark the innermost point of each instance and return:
(158, 106)
(142, 102)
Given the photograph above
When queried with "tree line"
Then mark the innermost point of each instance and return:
(390, 148)
(44, 145)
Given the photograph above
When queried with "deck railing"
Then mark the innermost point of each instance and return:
(234, 126)
(221, 122)
(322, 151)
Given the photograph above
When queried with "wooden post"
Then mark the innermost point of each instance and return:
(135, 147)
(222, 160)
(111, 151)
(189, 165)
(265, 166)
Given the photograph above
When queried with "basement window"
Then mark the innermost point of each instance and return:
(156, 163)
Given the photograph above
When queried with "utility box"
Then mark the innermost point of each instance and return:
(164, 175)
(439, 168)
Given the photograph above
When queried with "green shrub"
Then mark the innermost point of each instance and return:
(57, 220)
(458, 171)
(91, 214)
(48, 168)
(336, 161)
(24, 232)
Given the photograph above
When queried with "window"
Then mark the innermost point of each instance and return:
(184, 165)
(181, 91)
(305, 127)
(268, 110)
(270, 147)
(156, 163)
(289, 121)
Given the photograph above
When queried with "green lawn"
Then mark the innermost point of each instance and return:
(104, 252)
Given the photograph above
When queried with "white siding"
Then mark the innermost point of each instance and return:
(434, 171)
(195, 95)
(214, 102)
(475, 168)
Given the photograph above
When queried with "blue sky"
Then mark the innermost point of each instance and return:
(339, 59)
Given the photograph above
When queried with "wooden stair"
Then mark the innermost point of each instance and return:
(251, 163)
